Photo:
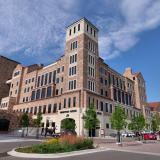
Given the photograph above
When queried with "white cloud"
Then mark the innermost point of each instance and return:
(33, 27)
(138, 16)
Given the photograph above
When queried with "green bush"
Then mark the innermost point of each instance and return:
(58, 147)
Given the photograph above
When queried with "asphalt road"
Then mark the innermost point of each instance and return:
(108, 155)
(5, 147)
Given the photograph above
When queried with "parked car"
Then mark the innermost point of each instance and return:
(128, 134)
(124, 134)
(149, 136)
(113, 134)
(131, 134)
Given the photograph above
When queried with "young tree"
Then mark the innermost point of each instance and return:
(118, 121)
(155, 123)
(137, 124)
(24, 123)
(37, 123)
(68, 124)
(90, 119)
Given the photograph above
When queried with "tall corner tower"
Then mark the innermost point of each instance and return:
(82, 55)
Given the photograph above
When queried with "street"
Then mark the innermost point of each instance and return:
(131, 152)
(108, 155)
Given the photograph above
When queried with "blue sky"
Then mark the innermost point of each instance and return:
(33, 31)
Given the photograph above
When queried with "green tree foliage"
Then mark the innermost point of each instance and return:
(118, 120)
(90, 118)
(37, 123)
(68, 124)
(24, 123)
(137, 123)
(155, 123)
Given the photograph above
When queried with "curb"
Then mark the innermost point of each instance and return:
(56, 155)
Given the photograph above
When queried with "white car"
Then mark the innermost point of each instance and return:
(128, 134)
(124, 134)
(131, 134)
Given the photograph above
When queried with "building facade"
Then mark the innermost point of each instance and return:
(6, 69)
(65, 88)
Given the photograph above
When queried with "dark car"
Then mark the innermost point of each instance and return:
(113, 134)
(149, 136)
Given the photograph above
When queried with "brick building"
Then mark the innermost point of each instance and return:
(6, 69)
(80, 77)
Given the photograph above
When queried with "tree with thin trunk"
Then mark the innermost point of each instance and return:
(90, 119)
(118, 121)
(24, 123)
(137, 124)
(155, 123)
(37, 123)
(68, 124)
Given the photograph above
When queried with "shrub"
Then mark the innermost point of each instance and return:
(63, 144)
(51, 141)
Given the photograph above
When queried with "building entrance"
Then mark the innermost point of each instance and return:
(4, 124)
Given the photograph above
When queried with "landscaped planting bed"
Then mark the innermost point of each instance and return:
(66, 143)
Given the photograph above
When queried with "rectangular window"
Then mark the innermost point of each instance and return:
(72, 85)
(113, 82)
(42, 79)
(49, 91)
(57, 80)
(115, 94)
(123, 99)
(54, 77)
(78, 27)
(101, 106)
(119, 96)
(50, 77)
(44, 109)
(46, 78)
(106, 107)
(72, 71)
(102, 92)
(91, 30)
(49, 108)
(110, 108)
(62, 68)
(126, 99)
(57, 90)
(69, 102)
(43, 93)
(58, 70)
(35, 110)
(40, 109)
(64, 105)
(74, 29)
(55, 108)
(74, 101)
(38, 94)
(97, 105)
(94, 33)
(33, 96)
(38, 82)
(31, 110)
(59, 106)
(107, 125)
(70, 31)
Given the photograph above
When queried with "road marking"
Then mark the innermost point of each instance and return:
(138, 152)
